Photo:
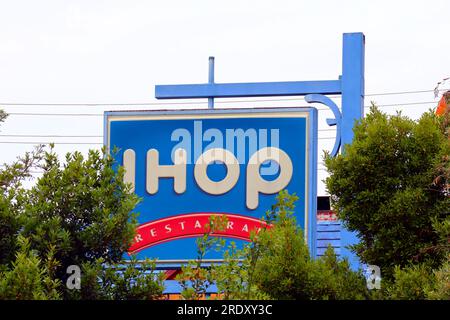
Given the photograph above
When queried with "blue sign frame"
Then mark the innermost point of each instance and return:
(264, 114)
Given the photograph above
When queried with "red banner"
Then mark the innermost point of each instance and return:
(192, 225)
(326, 216)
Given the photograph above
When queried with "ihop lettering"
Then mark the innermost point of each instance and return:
(255, 183)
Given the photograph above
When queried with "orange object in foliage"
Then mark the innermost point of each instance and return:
(442, 106)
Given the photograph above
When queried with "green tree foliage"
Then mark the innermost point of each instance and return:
(77, 213)
(420, 281)
(28, 278)
(132, 280)
(9, 226)
(277, 265)
(384, 187)
(410, 283)
(11, 178)
(82, 207)
(441, 288)
(194, 278)
(285, 269)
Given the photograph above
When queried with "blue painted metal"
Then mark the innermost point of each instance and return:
(326, 242)
(174, 287)
(211, 81)
(328, 227)
(332, 235)
(321, 251)
(255, 89)
(319, 98)
(328, 234)
(350, 85)
(352, 109)
(312, 183)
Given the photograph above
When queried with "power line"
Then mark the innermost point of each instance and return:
(107, 104)
(88, 136)
(101, 114)
(400, 93)
(56, 114)
(91, 143)
(201, 102)
(35, 142)
(327, 129)
(403, 104)
(47, 136)
(170, 103)
(198, 102)
(80, 136)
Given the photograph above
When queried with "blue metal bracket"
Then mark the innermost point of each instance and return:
(350, 85)
(318, 98)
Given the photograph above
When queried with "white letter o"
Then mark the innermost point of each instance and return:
(227, 183)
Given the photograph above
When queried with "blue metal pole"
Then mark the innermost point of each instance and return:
(211, 81)
(352, 82)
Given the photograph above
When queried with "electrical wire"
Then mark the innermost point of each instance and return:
(47, 136)
(200, 102)
(84, 143)
(162, 104)
(41, 142)
(89, 143)
(101, 114)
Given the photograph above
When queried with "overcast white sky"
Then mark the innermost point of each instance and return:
(116, 51)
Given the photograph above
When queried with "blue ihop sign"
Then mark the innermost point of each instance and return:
(172, 157)
(187, 165)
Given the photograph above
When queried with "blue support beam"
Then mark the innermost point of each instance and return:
(352, 83)
(256, 89)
